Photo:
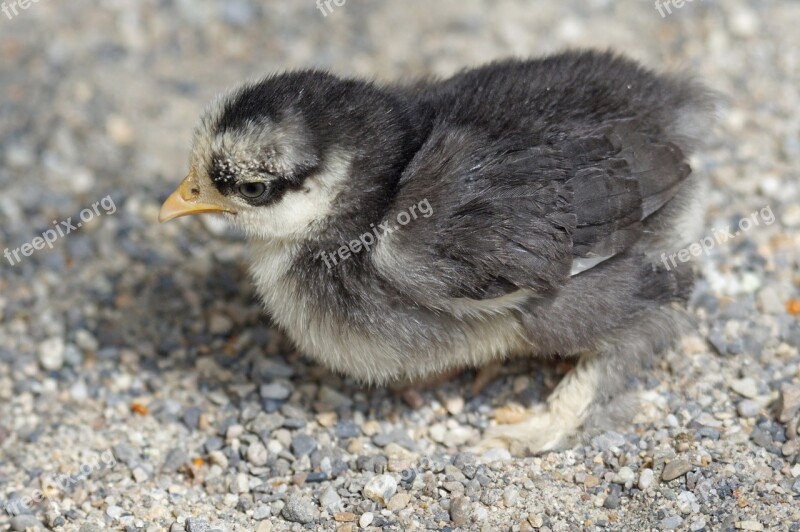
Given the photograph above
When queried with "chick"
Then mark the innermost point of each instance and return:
(526, 207)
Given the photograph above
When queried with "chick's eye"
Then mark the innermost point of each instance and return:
(252, 190)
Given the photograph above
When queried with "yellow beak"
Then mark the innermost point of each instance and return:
(185, 201)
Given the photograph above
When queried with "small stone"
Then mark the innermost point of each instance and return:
(344, 517)
(510, 496)
(624, 475)
(380, 488)
(220, 324)
(191, 417)
(330, 500)
(762, 438)
(327, 419)
(791, 216)
(21, 523)
(790, 448)
(261, 512)
(498, 454)
(347, 429)
(645, 479)
(174, 460)
(257, 454)
(219, 458)
(51, 354)
(676, 468)
(397, 436)
(365, 520)
(333, 399)
(687, 502)
(275, 390)
(213, 443)
(671, 523)
(114, 511)
(459, 511)
(299, 509)
(608, 441)
(437, 432)
(536, 520)
(303, 444)
(79, 391)
(398, 502)
(126, 453)
(745, 387)
(140, 474)
(612, 500)
(240, 484)
(591, 481)
(698, 523)
(770, 300)
(520, 384)
(233, 432)
(196, 524)
(788, 402)
(749, 525)
(748, 408)
(264, 526)
(455, 405)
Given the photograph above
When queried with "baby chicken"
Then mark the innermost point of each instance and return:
(526, 207)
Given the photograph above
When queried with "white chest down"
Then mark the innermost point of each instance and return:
(476, 332)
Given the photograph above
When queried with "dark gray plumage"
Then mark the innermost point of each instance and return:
(554, 186)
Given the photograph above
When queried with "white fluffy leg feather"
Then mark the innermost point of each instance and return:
(550, 426)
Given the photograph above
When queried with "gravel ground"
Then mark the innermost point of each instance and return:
(141, 388)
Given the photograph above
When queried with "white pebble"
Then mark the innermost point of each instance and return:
(365, 520)
(645, 479)
(51, 353)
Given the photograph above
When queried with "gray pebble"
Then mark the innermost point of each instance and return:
(261, 512)
(460, 511)
(608, 440)
(671, 523)
(197, 524)
(299, 509)
(175, 458)
(127, 454)
(330, 500)
(380, 488)
(191, 417)
(612, 500)
(334, 399)
(257, 454)
(347, 429)
(213, 443)
(510, 496)
(20, 523)
(788, 402)
(303, 444)
(674, 469)
(398, 436)
(748, 408)
(275, 390)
